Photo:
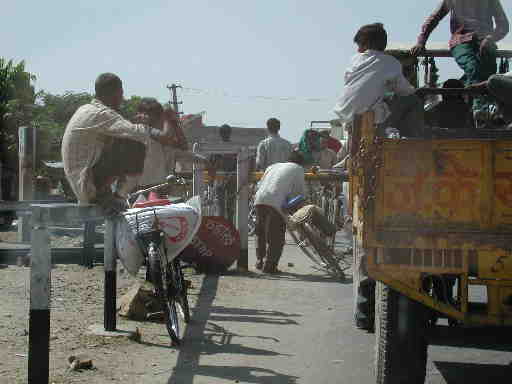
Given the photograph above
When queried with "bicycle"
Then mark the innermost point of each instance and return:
(163, 270)
(315, 236)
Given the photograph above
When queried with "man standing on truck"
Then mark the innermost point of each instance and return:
(374, 75)
(476, 26)
(99, 145)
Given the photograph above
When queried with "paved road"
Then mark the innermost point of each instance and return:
(297, 329)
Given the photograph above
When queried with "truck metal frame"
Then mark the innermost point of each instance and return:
(431, 214)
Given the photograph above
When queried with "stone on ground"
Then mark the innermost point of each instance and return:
(138, 302)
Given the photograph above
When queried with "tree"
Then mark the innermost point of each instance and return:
(15, 88)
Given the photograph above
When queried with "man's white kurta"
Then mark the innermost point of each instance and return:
(368, 79)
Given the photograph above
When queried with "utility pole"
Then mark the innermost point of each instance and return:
(175, 103)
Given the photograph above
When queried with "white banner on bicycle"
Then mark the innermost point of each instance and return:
(179, 223)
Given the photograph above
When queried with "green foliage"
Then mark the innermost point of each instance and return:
(49, 113)
(15, 89)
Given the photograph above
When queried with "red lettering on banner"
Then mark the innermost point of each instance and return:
(176, 228)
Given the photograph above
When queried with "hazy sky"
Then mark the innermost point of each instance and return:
(240, 61)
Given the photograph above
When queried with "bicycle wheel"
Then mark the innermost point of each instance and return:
(302, 243)
(324, 252)
(159, 275)
(181, 290)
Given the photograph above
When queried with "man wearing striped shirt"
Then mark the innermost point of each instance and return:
(476, 26)
(273, 149)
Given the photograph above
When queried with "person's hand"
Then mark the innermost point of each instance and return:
(417, 49)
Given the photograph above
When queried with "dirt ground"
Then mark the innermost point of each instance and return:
(77, 303)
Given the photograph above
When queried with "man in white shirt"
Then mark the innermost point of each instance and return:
(368, 81)
(99, 145)
(373, 75)
(280, 182)
(273, 149)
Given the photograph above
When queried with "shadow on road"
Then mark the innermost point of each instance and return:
(288, 276)
(251, 312)
(485, 338)
(468, 373)
(204, 337)
(240, 374)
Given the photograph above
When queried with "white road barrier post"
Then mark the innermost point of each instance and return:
(26, 176)
(39, 316)
(242, 207)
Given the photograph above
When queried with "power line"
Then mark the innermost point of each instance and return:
(187, 91)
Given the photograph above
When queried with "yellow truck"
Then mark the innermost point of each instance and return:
(433, 218)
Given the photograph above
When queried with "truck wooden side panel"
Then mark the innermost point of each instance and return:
(441, 194)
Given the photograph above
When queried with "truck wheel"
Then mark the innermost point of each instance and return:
(364, 291)
(400, 344)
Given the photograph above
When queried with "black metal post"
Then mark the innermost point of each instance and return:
(110, 277)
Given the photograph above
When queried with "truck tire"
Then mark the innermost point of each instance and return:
(400, 343)
(364, 291)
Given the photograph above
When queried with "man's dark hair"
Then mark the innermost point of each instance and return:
(297, 158)
(107, 84)
(225, 132)
(372, 36)
(151, 106)
(273, 125)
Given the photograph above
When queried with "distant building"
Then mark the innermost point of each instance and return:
(210, 141)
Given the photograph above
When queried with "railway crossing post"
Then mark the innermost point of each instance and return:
(26, 176)
(242, 207)
(39, 315)
(197, 175)
(110, 265)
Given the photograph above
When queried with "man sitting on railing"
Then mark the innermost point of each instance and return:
(99, 145)
(280, 182)
(374, 75)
